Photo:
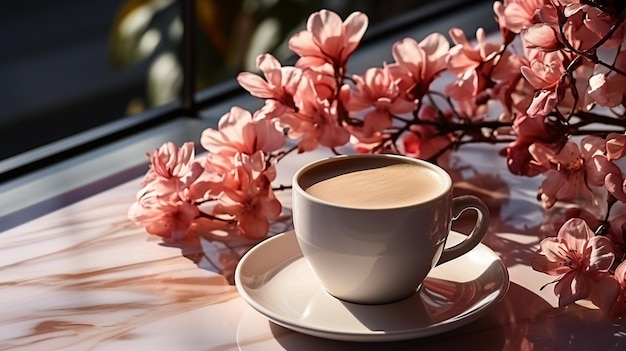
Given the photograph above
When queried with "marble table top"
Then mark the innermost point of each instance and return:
(85, 278)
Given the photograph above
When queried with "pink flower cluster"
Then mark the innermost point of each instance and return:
(231, 184)
(550, 88)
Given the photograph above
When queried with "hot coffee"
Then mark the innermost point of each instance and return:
(369, 183)
(358, 232)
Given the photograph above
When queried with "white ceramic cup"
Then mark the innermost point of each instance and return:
(378, 255)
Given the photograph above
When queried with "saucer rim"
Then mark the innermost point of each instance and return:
(446, 325)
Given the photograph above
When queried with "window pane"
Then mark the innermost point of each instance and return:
(57, 76)
(71, 65)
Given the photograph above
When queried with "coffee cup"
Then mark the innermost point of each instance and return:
(372, 227)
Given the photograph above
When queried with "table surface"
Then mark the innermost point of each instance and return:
(86, 278)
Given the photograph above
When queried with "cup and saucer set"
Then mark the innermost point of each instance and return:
(374, 272)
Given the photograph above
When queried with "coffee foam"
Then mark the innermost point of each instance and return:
(370, 183)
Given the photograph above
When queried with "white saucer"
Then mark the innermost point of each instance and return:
(275, 279)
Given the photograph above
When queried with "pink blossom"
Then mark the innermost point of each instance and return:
(170, 161)
(377, 91)
(606, 89)
(529, 130)
(545, 70)
(517, 15)
(317, 122)
(590, 24)
(280, 85)
(473, 67)
(238, 131)
(582, 262)
(421, 61)
(376, 143)
(325, 86)
(570, 172)
(613, 178)
(172, 169)
(545, 74)
(464, 56)
(322, 128)
(597, 166)
(510, 89)
(166, 215)
(248, 196)
(208, 184)
(507, 35)
(541, 36)
(328, 40)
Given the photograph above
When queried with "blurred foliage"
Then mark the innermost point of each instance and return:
(230, 34)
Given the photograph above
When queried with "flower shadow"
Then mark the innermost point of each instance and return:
(515, 224)
(218, 247)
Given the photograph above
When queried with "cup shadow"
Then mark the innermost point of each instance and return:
(439, 303)
(521, 321)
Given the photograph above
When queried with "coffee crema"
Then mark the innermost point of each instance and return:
(373, 185)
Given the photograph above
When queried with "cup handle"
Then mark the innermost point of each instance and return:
(459, 205)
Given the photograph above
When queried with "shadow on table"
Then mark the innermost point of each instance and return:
(522, 321)
(218, 247)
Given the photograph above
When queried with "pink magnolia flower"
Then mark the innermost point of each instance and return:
(613, 177)
(170, 161)
(318, 121)
(464, 56)
(328, 40)
(529, 130)
(517, 15)
(172, 165)
(166, 215)
(280, 83)
(248, 196)
(473, 67)
(173, 169)
(545, 75)
(376, 143)
(605, 89)
(378, 92)
(590, 24)
(421, 61)
(570, 172)
(208, 184)
(509, 87)
(238, 131)
(582, 262)
(541, 36)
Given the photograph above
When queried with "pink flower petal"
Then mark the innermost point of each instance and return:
(615, 146)
(616, 186)
(575, 232)
(541, 36)
(571, 287)
(600, 254)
